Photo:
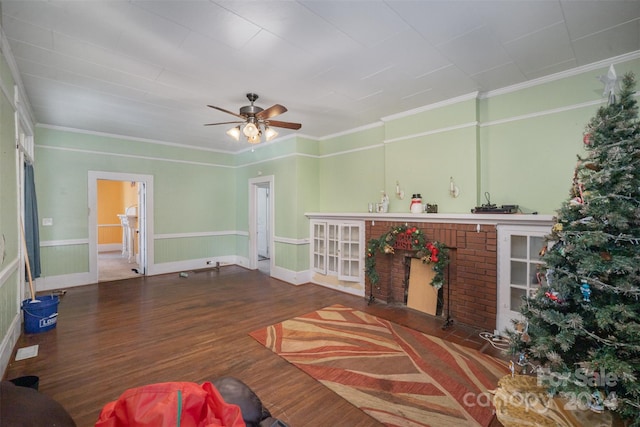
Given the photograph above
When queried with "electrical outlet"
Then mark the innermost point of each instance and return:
(47, 222)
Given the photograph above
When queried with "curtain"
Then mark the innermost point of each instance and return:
(31, 233)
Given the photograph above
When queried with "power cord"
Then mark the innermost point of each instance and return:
(497, 341)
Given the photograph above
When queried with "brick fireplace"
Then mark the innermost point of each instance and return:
(472, 270)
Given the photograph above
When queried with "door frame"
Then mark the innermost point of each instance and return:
(146, 258)
(255, 183)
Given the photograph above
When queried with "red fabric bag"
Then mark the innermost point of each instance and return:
(172, 404)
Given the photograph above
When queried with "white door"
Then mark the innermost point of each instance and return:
(518, 267)
(141, 256)
(263, 222)
(261, 233)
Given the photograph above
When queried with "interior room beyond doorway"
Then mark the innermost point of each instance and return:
(118, 236)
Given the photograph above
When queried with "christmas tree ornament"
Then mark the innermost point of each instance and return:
(522, 359)
(552, 295)
(610, 81)
(611, 402)
(586, 292)
(549, 276)
(596, 404)
(586, 139)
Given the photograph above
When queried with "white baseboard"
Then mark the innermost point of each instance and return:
(63, 281)
(290, 276)
(110, 247)
(337, 287)
(78, 279)
(192, 264)
(9, 342)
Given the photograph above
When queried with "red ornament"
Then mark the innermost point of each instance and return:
(587, 139)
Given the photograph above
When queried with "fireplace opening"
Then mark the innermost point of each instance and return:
(419, 294)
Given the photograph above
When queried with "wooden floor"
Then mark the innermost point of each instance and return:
(116, 335)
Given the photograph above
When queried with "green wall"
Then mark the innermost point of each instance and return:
(425, 150)
(194, 192)
(10, 286)
(518, 146)
(351, 171)
(293, 164)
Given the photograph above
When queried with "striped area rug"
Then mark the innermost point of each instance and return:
(397, 375)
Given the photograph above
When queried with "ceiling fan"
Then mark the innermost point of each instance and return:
(254, 119)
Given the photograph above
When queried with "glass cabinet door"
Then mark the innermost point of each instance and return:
(337, 249)
(318, 248)
(519, 263)
(524, 266)
(333, 249)
(349, 252)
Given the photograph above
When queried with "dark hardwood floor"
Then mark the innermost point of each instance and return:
(117, 335)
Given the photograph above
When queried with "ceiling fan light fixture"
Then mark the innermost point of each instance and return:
(234, 133)
(250, 130)
(269, 133)
(256, 121)
(255, 139)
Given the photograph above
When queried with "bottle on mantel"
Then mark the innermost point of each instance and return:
(416, 204)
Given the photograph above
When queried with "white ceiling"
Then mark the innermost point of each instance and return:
(148, 69)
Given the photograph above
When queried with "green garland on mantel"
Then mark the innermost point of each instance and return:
(435, 253)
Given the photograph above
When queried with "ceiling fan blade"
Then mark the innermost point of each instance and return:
(287, 125)
(221, 123)
(272, 111)
(226, 111)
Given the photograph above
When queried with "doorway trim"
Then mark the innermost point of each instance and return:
(254, 184)
(94, 176)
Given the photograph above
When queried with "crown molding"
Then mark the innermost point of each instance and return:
(350, 131)
(131, 138)
(446, 102)
(562, 74)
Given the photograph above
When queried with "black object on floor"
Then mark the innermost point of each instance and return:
(29, 381)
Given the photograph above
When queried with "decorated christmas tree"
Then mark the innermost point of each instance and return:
(581, 330)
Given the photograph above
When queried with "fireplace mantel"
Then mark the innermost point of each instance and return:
(451, 218)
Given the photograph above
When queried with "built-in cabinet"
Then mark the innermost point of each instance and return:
(519, 273)
(337, 249)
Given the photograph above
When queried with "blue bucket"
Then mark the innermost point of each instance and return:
(41, 315)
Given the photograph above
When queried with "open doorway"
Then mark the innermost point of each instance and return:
(118, 231)
(119, 228)
(261, 224)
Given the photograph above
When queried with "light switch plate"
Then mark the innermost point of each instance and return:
(47, 221)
